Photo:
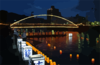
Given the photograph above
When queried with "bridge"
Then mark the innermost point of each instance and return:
(17, 24)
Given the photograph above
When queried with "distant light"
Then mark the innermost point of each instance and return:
(70, 34)
(14, 20)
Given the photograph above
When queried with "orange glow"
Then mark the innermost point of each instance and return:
(49, 45)
(31, 38)
(60, 51)
(50, 60)
(54, 63)
(50, 33)
(87, 39)
(46, 33)
(60, 33)
(51, 63)
(47, 59)
(54, 47)
(97, 41)
(70, 55)
(56, 33)
(77, 56)
(82, 38)
(93, 60)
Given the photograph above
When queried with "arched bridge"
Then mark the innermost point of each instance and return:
(17, 24)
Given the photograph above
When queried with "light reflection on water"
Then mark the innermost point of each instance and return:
(65, 43)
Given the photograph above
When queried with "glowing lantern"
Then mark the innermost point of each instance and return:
(51, 63)
(87, 39)
(93, 60)
(50, 60)
(60, 51)
(47, 59)
(70, 55)
(77, 56)
(54, 47)
(54, 63)
(97, 41)
(49, 45)
(82, 38)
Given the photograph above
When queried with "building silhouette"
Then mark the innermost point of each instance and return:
(3, 16)
(52, 11)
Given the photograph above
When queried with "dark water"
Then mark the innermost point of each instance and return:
(68, 45)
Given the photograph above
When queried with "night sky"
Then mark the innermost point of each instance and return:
(67, 8)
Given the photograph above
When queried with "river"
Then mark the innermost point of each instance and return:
(68, 45)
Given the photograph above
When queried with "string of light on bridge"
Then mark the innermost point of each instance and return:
(42, 15)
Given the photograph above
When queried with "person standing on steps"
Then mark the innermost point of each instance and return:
(15, 36)
(23, 35)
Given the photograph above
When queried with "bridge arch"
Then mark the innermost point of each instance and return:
(43, 15)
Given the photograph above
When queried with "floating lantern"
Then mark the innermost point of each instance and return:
(97, 41)
(82, 38)
(54, 47)
(70, 55)
(87, 39)
(49, 45)
(92, 60)
(77, 56)
(60, 51)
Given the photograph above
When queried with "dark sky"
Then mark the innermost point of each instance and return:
(67, 8)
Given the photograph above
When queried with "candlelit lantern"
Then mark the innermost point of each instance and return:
(54, 47)
(97, 41)
(49, 45)
(60, 51)
(54, 63)
(51, 63)
(19, 40)
(27, 50)
(70, 55)
(47, 59)
(77, 56)
(87, 39)
(50, 60)
(23, 44)
(36, 59)
(82, 38)
(92, 60)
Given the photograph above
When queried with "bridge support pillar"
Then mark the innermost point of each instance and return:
(53, 32)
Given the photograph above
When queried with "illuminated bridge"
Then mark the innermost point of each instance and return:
(17, 24)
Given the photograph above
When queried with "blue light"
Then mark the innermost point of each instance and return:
(39, 63)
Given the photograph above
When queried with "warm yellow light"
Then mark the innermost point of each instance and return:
(70, 55)
(93, 60)
(60, 51)
(77, 56)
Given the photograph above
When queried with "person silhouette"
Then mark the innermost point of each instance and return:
(23, 35)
